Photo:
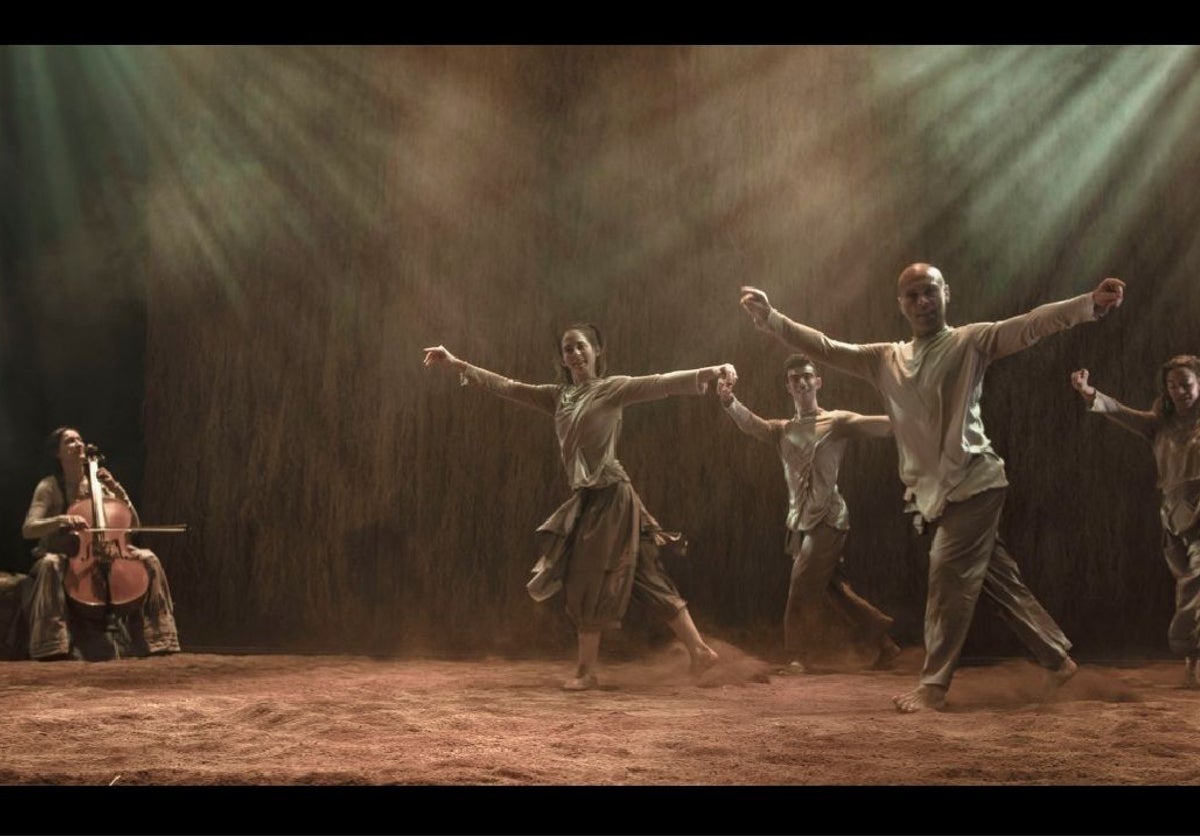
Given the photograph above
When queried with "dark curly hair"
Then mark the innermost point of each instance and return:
(1163, 406)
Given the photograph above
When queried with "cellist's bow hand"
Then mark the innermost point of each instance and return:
(73, 522)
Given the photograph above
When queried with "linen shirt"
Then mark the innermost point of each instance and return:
(587, 417)
(1176, 449)
(931, 388)
(811, 451)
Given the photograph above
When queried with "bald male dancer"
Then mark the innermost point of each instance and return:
(931, 387)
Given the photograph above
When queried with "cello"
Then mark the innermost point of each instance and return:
(103, 577)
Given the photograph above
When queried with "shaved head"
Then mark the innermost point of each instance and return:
(923, 295)
(920, 270)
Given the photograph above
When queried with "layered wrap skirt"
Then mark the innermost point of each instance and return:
(602, 549)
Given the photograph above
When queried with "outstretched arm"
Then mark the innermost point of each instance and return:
(539, 397)
(634, 389)
(1003, 338)
(724, 372)
(746, 420)
(865, 425)
(854, 359)
(1144, 423)
(1107, 296)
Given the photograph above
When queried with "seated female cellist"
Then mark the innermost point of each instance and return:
(147, 628)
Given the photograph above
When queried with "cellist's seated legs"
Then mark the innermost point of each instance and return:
(49, 636)
(155, 631)
(59, 631)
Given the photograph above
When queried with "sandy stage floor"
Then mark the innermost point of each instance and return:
(226, 720)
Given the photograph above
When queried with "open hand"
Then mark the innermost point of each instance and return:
(438, 356)
(755, 302)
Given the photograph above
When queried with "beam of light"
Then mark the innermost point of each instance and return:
(245, 165)
(716, 173)
(1039, 149)
(797, 163)
(246, 150)
(39, 128)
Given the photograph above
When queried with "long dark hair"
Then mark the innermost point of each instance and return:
(50, 451)
(593, 333)
(1163, 406)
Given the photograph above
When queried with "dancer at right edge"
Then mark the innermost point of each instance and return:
(931, 386)
(1172, 427)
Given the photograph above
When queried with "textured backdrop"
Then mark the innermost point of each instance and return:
(307, 219)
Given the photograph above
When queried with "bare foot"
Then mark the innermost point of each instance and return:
(582, 681)
(1057, 678)
(921, 698)
(703, 658)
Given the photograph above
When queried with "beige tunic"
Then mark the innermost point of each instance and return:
(811, 449)
(587, 421)
(587, 417)
(931, 388)
(1176, 448)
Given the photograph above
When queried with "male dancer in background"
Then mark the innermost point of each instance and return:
(811, 445)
